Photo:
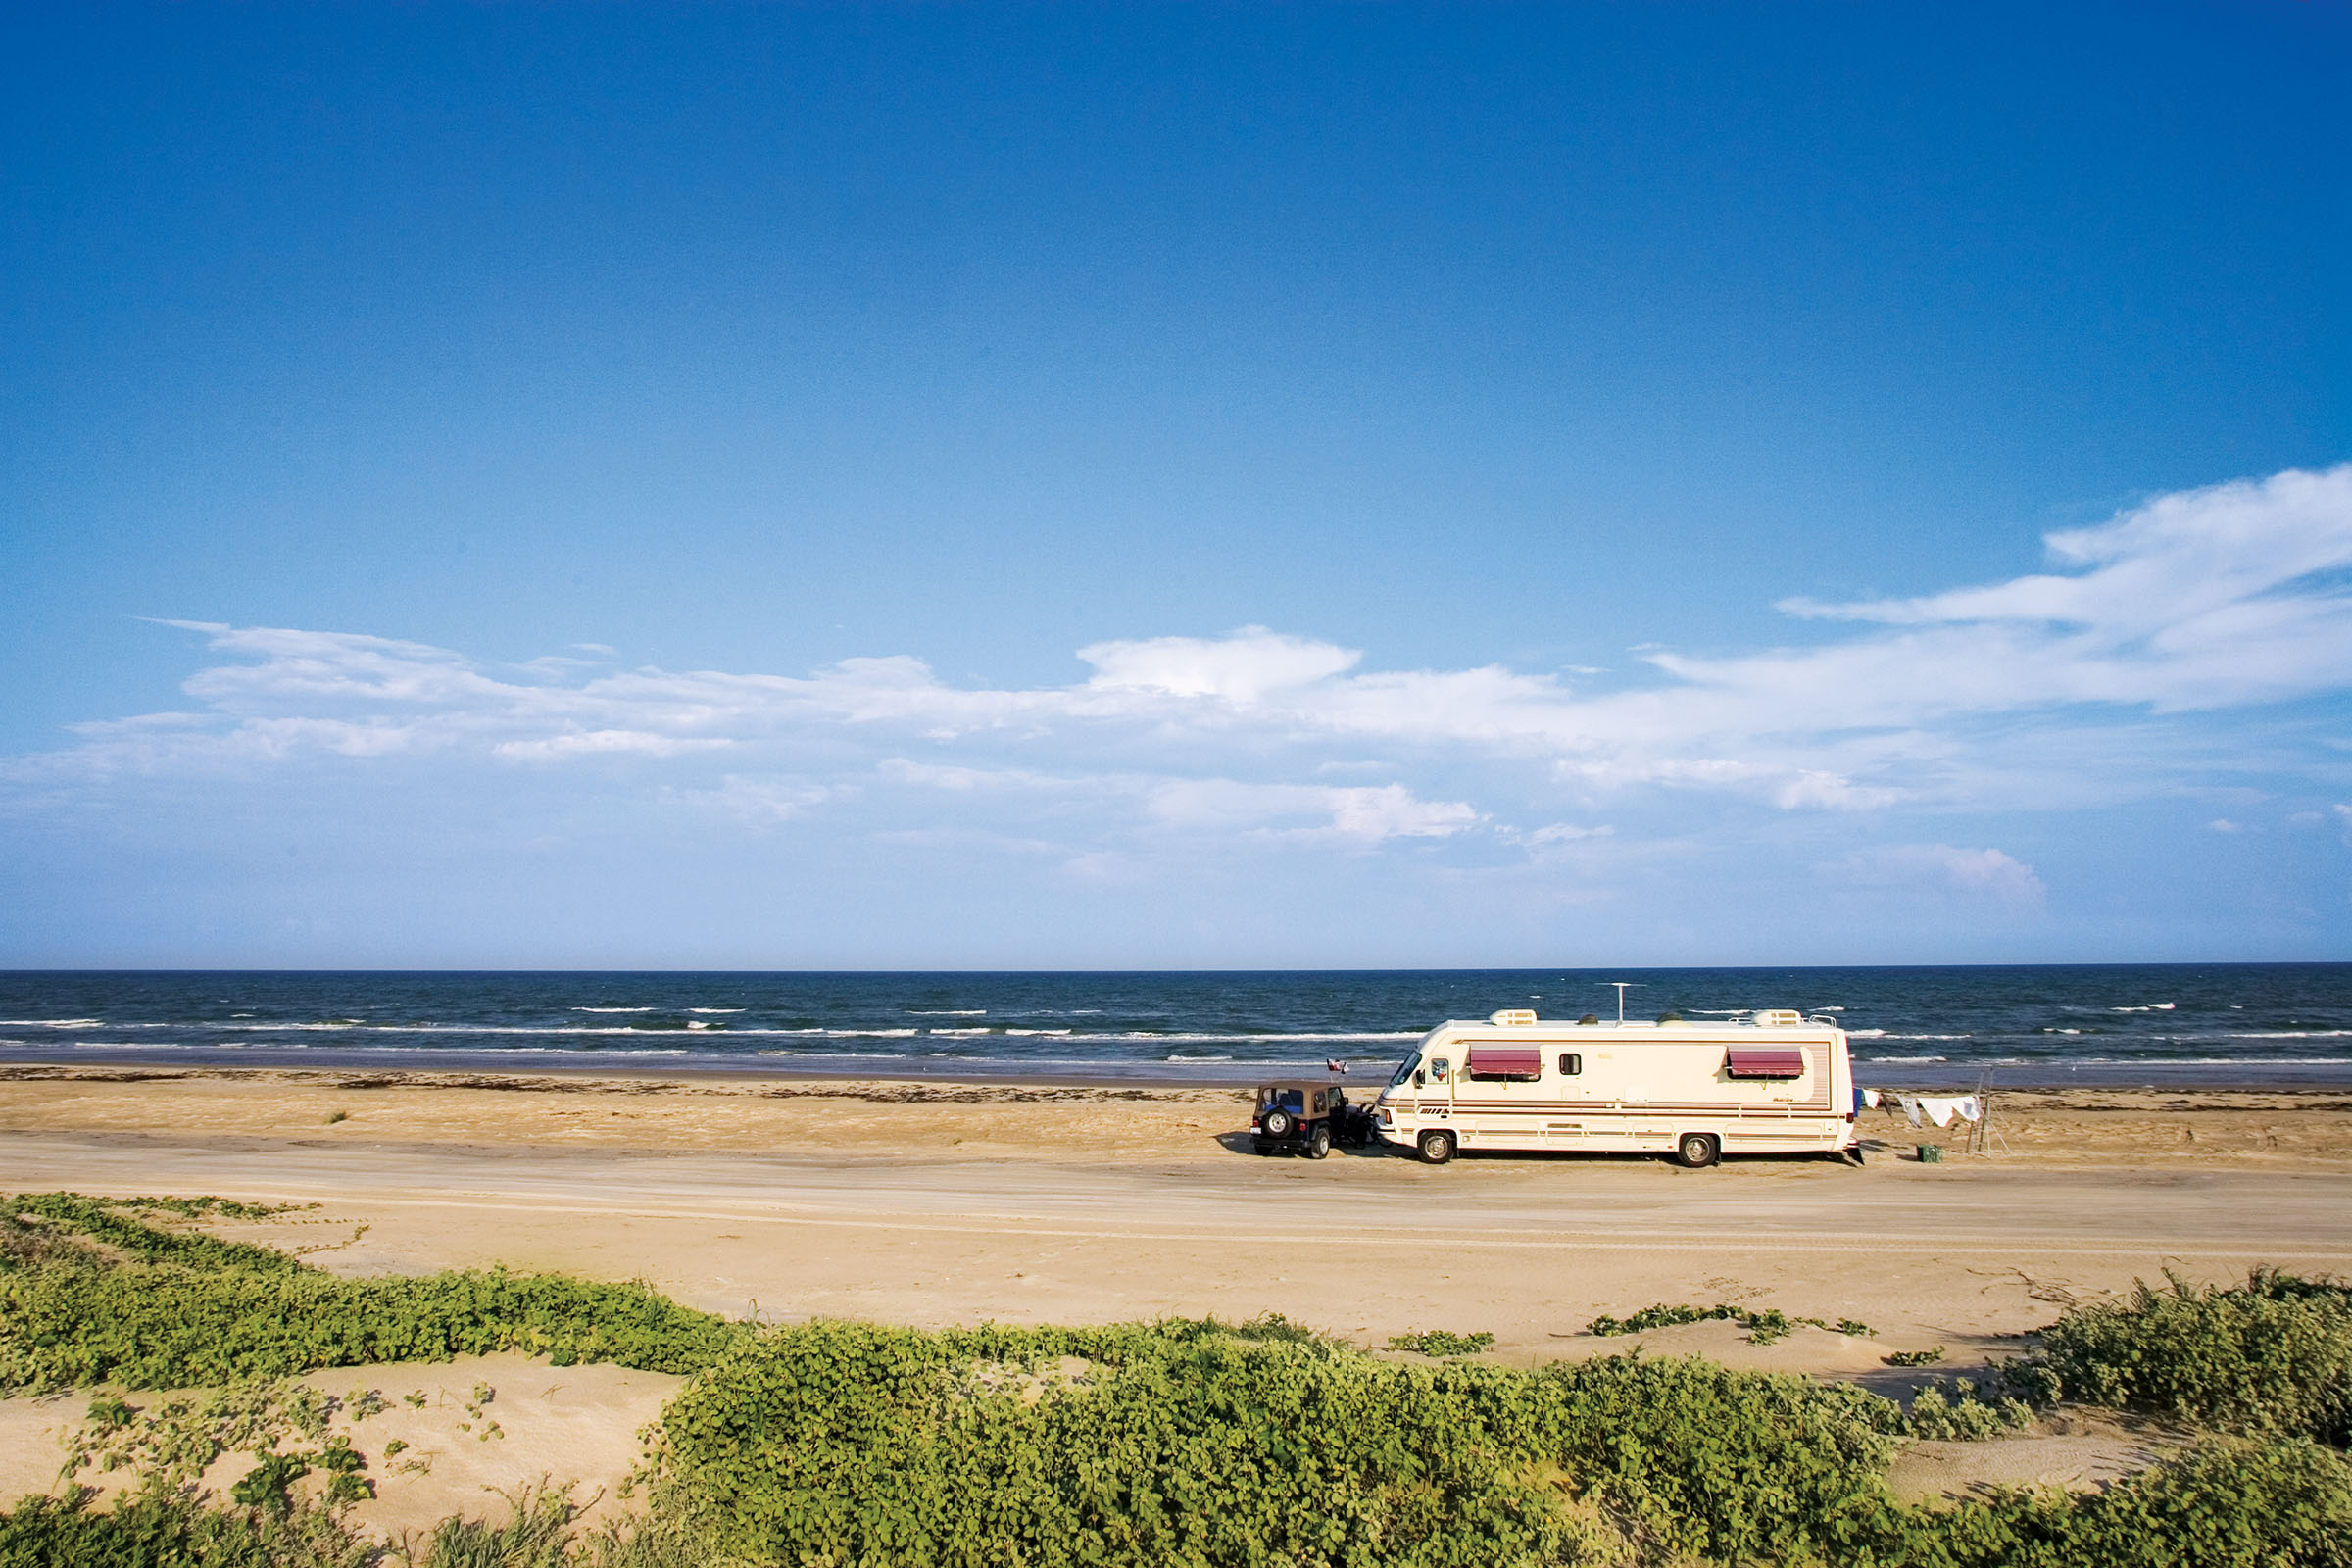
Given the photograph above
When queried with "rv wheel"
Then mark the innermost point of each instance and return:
(1277, 1124)
(1697, 1150)
(1318, 1143)
(1437, 1147)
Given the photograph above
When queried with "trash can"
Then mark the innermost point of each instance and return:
(1930, 1154)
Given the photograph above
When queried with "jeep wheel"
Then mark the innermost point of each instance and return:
(1697, 1150)
(1277, 1124)
(1318, 1143)
(1435, 1147)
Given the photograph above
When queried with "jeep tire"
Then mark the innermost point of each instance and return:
(1318, 1142)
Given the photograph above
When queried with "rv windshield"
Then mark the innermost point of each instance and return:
(1404, 1071)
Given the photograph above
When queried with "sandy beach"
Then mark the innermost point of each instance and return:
(931, 1204)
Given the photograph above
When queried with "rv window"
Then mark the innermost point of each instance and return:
(1516, 1064)
(1404, 1071)
(1438, 1067)
(1572, 1063)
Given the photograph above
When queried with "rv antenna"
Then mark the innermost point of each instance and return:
(1622, 987)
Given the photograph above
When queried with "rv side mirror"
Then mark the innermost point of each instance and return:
(1420, 1079)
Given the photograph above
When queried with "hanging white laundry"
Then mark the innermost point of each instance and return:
(1970, 1109)
(1870, 1098)
(1910, 1104)
(1940, 1109)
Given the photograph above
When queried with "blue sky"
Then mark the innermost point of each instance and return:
(1141, 487)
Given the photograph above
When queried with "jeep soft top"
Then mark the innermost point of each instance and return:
(1299, 1116)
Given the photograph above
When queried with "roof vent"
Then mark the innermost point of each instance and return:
(1513, 1017)
(1779, 1018)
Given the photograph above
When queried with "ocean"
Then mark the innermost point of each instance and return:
(2115, 1024)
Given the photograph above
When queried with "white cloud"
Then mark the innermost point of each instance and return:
(1987, 872)
(1565, 833)
(582, 743)
(2197, 599)
(2044, 688)
(1353, 814)
(1391, 811)
(2222, 824)
(1814, 787)
(760, 800)
(971, 780)
(1243, 666)
(2170, 560)
(1360, 813)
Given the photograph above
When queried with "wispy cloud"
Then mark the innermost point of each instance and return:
(1243, 668)
(592, 742)
(2220, 599)
(1362, 815)
(2207, 598)
(1986, 872)
(1565, 833)
(761, 801)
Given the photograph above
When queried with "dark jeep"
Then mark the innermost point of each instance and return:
(1306, 1118)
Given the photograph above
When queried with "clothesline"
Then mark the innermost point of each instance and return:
(1937, 1109)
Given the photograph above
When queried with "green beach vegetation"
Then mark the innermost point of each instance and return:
(1764, 1325)
(1178, 1443)
(1442, 1343)
(96, 1292)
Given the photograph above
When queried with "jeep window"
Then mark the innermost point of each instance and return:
(1572, 1063)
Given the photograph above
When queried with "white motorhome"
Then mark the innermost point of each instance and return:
(1761, 1083)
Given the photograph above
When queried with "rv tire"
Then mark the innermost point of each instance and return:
(1697, 1150)
(1436, 1148)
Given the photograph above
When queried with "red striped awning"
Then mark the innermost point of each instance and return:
(1766, 1061)
(1505, 1061)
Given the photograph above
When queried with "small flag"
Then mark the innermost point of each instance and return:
(1335, 1065)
